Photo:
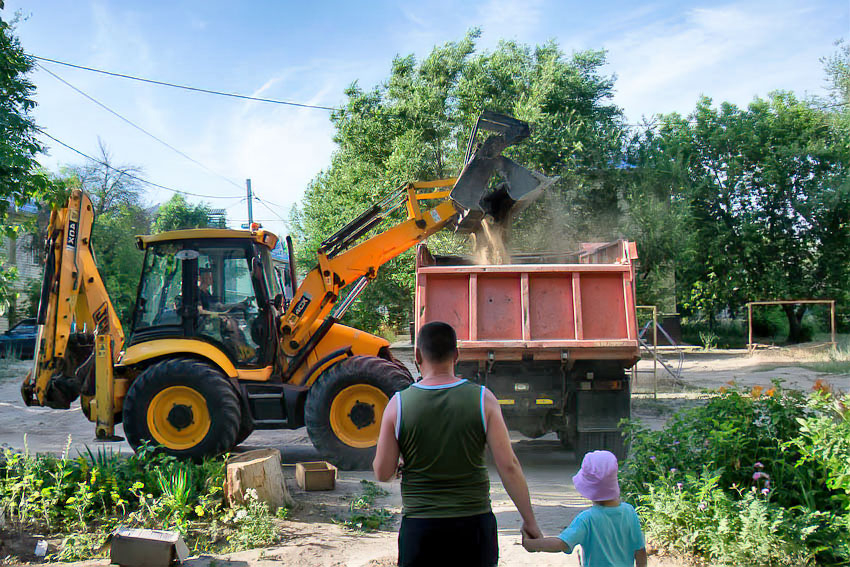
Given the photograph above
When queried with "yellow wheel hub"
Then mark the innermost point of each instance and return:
(178, 417)
(356, 414)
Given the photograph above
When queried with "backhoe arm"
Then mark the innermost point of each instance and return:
(339, 267)
(74, 307)
(465, 201)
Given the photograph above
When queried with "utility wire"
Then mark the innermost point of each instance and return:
(272, 211)
(184, 87)
(137, 127)
(243, 199)
(131, 176)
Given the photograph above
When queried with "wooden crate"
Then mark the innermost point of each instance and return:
(316, 475)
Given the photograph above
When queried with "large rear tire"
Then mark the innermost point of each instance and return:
(246, 427)
(185, 406)
(345, 406)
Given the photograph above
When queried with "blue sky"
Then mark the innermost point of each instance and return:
(664, 54)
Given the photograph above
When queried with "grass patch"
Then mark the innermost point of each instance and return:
(363, 516)
(79, 501)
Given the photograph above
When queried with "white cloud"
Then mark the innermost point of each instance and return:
(509, 19)
(730, 52)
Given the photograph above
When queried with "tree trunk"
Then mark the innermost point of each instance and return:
(795, 322)
(260, 470)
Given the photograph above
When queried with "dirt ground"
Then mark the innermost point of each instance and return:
(311, 538)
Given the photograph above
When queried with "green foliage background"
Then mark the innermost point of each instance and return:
(414, 126)
(726, 204)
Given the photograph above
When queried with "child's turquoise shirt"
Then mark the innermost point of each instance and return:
(609, 535)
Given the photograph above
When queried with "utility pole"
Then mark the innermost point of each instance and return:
(250, 203)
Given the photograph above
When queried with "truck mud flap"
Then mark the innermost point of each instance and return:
(599, 410)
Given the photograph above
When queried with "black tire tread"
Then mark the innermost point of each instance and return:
(389, 376)
(222, 404)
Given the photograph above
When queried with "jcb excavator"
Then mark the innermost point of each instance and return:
(217, 348)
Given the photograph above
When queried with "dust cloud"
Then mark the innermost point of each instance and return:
(489, 244)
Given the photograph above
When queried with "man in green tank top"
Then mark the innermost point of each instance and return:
(440, 426)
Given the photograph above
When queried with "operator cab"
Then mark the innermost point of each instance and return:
(215, 285)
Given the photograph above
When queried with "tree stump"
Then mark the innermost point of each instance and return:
(260, 470)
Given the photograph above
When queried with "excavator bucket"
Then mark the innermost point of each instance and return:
(472, 193)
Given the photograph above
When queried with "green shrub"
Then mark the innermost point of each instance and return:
(725, 333)
(85, 498)
(747, 479)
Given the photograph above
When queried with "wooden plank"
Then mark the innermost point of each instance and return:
(473, 307)
(749, 327)
(832, 322)
(577, 306)
(525, 306)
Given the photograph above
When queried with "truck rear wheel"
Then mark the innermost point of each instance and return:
(588, 441)
(345, 405)
(183, 405)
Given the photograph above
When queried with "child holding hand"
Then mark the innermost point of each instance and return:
(608, 532)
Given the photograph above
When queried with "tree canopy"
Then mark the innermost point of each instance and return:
(178, 214)
(414, 126)
(767, 198)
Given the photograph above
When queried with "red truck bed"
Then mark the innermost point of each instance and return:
(585, 308)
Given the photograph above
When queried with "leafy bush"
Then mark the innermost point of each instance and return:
(747, 479)
(725, 333)
(85, 498)
(362, 514)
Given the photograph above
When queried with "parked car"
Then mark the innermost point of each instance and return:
(19, 341)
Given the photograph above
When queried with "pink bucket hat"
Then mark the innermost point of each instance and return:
(597, 479)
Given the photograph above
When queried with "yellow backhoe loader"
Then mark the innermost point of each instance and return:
(224, 342)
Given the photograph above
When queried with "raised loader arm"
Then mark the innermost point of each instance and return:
(464, 201)
(74, 310)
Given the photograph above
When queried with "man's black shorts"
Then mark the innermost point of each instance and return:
(444, 542)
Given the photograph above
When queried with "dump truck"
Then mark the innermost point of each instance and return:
(550, 334)
(224, 339)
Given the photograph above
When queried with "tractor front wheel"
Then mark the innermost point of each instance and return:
(184, 405)
(345, 406)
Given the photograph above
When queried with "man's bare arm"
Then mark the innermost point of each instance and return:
(640, 557)
(507, 464)
(387, 452)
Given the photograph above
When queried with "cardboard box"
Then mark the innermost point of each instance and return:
(146, 548)
(317, 475)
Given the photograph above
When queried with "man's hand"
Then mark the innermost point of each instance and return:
(548, 544)
(531, 530)
(526, 540)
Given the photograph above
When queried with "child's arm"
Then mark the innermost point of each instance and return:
(550, 544)
(640, 557)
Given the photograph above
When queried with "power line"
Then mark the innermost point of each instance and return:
(131, 176)
(272, 211)
(137, 127)
(184, 87)
(243, 199)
